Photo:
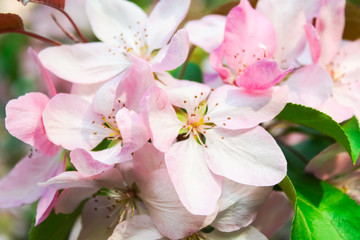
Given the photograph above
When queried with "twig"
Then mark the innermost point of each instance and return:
(68, 34)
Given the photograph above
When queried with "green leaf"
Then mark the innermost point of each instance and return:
(192, 72)
(105, 144)
(352, 130)
(322, 211)
(55, 227)
(323, 123)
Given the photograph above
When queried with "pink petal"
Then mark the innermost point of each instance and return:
(137, 227)
(238, 205)
(274, 214)
(112, 19)
(289, 19)
(72, 179)
(235, 108)
(172, 55)
(310, 86)
(21, 187)
(44, 72)
(105, 98)
(164, 20)
(207, 32)
(261, 75)
(70, 122)
(156, 189)
(84, 63)
(85, 164)
(198, 188)
(216, 61)
(133, 130)
(45, 205)
(71, 198)
(24, 121)
(86, 91)
(158, 115)
(137, 80)
(332, 161)
(330, 25)
(314, 42)
(248, 34)
(249, 157)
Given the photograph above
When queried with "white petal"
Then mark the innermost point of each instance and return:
(164, 20)
(208, 32)
(84, 63)
(111, 18)
(70, 122)
(238, 205)
(249, 157)
(198, 188)
(249, 233)
(136, 228)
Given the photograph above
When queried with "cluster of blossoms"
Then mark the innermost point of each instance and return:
(155, 157)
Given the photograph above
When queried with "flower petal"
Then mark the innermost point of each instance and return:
(248, 36)
(21, 184)
(238, 205)
(160, 197)
(45, 205)
(84, 63)
(330, 25)
(310, 86)
(98, 222)
(172, 55)
(248, 233)
(288, 18)
(249, 157)
(114, 19)
(274, 214)
(159, 115)
(137, 227)
(198, 188)
(24, 121)
(133, 131)
(137, 80)
(314, 42)
(235, 108)
(261, 75)
(164, 20)
(71, 198)
(188, 95)
(70, 122)
(207, 32)
(332, 161)
(85, 164)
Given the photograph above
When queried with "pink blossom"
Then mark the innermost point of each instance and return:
(196, 129)
(80, 127)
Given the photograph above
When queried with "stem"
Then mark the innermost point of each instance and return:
(83, 39)
(289, 190)
(183, 69)
(68, 34)
(33, 35)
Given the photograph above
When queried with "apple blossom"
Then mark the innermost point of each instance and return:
(124, 29)
(196, 129)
